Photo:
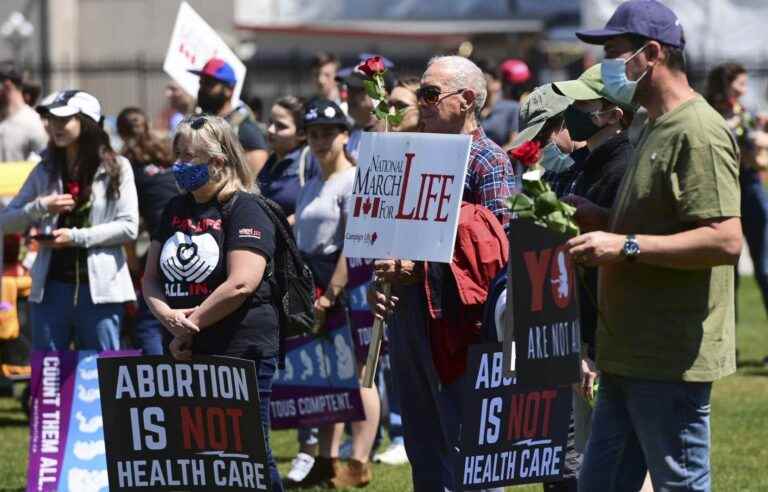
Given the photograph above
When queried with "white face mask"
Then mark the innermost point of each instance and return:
(555, 160)
(617, 85)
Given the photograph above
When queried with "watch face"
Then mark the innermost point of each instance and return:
(631, 248)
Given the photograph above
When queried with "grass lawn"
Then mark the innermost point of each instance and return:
(739, 421)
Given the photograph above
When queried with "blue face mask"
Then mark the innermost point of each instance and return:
(190, 176)
(555, 160)
(617, 86)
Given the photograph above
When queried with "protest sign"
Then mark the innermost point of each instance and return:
(66, 439)
(406, 196)
(546, 325)
(173, 425)
(360, 275)
(511, 434)
(318, 384)
(193, 43)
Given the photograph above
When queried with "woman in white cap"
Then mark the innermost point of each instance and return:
(81, 199)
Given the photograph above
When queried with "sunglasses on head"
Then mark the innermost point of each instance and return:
(431, 95)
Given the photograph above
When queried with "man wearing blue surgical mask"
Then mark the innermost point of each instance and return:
(666, 303)
(541, 118)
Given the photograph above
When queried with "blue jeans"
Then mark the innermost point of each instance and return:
(754, 223)
(265, 372)
(58, 320)
(148, 331)
(640, 425)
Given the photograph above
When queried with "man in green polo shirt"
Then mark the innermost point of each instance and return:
(666, 330)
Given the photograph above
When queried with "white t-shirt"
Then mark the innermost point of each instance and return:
(321, 213)
(21, 134)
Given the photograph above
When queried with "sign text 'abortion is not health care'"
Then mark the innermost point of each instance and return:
(171, 424)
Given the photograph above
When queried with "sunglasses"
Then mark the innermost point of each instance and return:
(432, 95)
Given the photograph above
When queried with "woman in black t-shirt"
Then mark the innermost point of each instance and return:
(209, 255)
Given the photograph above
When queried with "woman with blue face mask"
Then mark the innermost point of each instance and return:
(204, 278)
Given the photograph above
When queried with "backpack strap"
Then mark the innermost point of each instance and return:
(303, 161)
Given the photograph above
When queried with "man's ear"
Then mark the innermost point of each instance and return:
(654, 53)
(470, 99)
(617, 114)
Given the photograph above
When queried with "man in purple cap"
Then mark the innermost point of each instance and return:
(666, 328)
(217, 84)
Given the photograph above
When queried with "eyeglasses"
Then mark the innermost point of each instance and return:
(431, 94)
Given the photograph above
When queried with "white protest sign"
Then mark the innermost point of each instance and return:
(406, 197)
(193, 43)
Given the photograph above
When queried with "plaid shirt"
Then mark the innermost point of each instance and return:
(490, 178)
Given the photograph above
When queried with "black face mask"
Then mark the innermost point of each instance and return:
(211, 104)
(579, 124)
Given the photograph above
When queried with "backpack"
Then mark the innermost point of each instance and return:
(293, 288)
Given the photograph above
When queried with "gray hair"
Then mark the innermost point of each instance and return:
(466, 75)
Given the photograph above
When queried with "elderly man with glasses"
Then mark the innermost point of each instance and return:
(451, 94)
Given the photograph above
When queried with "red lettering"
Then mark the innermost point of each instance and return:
(192, 429)
(236, 413)
(400, 213)
(547, 396)
(537, 272)
(562, 278)
(443, 198)
(515, 419)
(531, 415)
(430, 195)
(220, 441)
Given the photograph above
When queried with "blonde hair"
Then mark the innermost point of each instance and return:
(214, 137)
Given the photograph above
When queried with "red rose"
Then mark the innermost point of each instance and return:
(527, 154)
(372, 66)
(73, 188)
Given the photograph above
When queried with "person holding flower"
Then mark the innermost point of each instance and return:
(82, 198)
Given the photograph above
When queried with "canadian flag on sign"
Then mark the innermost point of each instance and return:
(367, 207)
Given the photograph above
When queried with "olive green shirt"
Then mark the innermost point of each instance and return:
(663, 323)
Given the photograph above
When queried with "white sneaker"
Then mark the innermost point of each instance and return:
(300, 467)
(394, 455)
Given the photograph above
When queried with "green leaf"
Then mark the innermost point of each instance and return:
(381, 115)
(545, 204)
(396, 118)
(372, 89)
(383, 106)
(572, 229)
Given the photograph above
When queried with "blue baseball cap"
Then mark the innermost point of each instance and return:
(218, 69)
(648, 18)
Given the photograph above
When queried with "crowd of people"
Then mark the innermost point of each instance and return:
(662, 178)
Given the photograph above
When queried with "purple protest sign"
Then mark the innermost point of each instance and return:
(319, 383)
(360, 274)
(66, 439)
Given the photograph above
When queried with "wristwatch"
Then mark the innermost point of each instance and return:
(631, 249)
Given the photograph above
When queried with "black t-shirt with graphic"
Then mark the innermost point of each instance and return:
(195, 240)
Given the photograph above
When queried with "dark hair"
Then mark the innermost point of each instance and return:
(719, 80)
(675, 55)
(31, 91)
(257, 107)
(295, 106)
(141, 148)
(324, 58)
(94, 150)
(488, 66)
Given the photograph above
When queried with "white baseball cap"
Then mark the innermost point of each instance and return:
(70, 103)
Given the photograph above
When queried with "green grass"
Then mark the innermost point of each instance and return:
(739, 422)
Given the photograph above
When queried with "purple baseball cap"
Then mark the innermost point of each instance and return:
(648, 18)
(218, 69)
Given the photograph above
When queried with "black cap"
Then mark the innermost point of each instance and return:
(324, 112)
(648, 18)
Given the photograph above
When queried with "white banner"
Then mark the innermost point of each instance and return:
(406, 198)
(193, 43)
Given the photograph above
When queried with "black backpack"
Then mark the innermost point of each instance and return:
(293, 289)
